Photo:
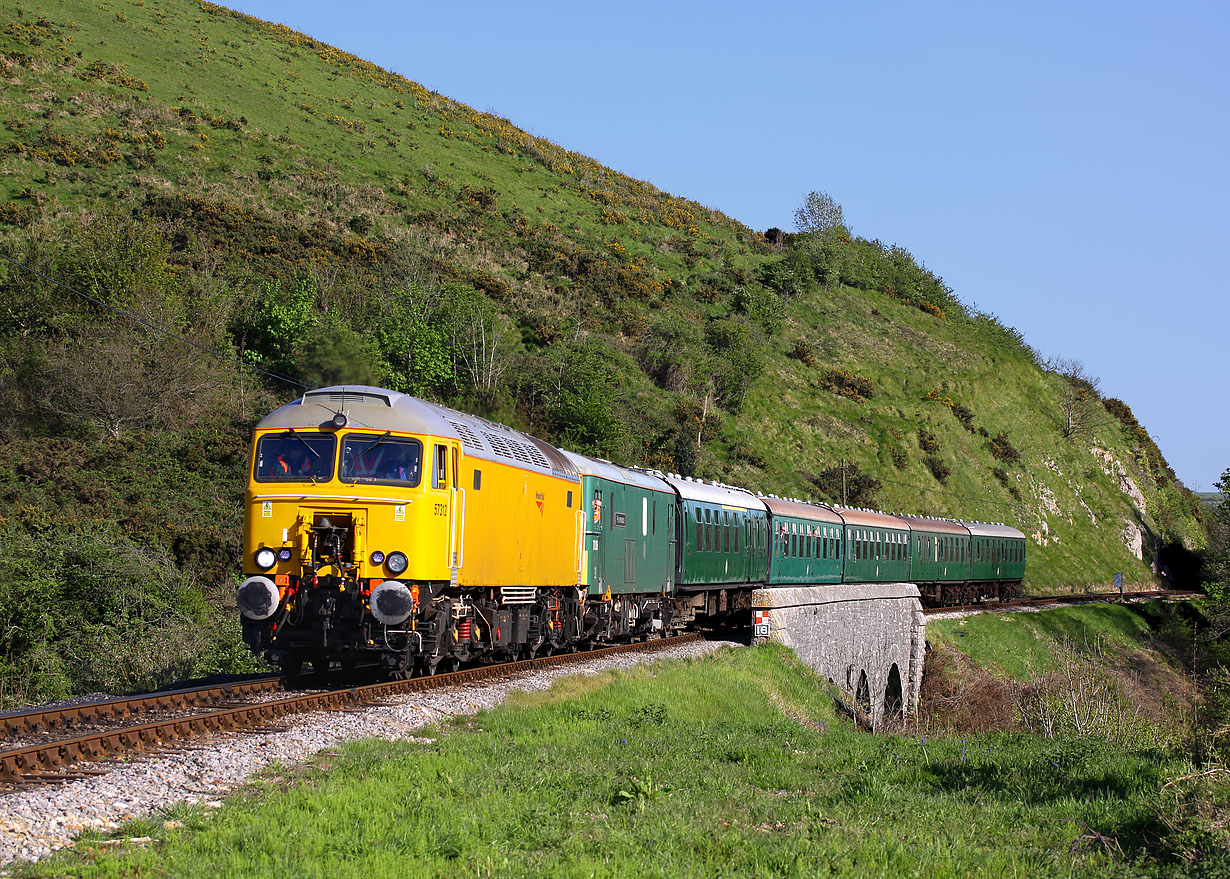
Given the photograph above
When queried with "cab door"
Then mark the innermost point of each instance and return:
(596, 521)
(448, 505)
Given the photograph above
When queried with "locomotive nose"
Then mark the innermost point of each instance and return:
(258, 598)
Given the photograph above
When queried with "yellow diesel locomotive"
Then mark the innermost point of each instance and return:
(382, 526)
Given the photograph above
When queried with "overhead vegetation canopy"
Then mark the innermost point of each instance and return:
(210, 177)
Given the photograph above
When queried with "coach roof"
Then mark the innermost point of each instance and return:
(871, 519)
(800, 510)
(613, 472)
(714, 493)
(989, 529)
(936, 526)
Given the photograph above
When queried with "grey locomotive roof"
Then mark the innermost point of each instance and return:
(708, 493)
(371, 408)
(606, 470)
(936, 526)
(986, 529)
(871, 518)
(800, 510)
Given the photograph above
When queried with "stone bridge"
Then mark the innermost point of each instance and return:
(869, 639)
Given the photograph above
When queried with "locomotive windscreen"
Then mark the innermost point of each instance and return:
(381, 458)
(295, 457)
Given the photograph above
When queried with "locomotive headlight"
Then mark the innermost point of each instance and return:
(377, 558)
(397, 562)
(284, 554)
(265, 558)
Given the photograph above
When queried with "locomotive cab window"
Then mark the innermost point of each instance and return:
(294, 457)
(439, 478)
(383, 459)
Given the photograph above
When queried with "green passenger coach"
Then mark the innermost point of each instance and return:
(627, 518)
(877, 547)
(723, 535)
(939, 554)
(806, 543)
(997, 555)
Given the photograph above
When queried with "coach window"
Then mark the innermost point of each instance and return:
(700, 530)
(725, 532)
(478, 483)
(736, 527)
(569, 493)
(708, 532)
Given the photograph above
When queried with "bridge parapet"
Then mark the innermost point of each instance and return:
(869, 639)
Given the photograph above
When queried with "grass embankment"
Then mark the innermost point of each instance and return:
(736, 765)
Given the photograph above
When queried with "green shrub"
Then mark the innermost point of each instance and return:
(846, 485)
(1002, 449)
(938, 468)
(803, 353)
(847, 384)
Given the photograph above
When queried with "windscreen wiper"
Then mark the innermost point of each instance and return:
(384, 436)
(306, 444)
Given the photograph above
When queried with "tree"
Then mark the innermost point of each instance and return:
(1079, 397)
(484, 342)
(819, 213)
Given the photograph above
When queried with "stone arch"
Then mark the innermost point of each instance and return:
(862, 696)
(894, 702)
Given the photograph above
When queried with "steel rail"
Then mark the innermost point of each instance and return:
(47, 761)
(42, 720)
(1073, 598)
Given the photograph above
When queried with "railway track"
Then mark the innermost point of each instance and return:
(1072, 598)
(109, 712)
(60, 757)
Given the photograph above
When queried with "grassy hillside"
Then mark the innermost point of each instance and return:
(268, 197)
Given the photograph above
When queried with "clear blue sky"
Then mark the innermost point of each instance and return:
(1063, 165)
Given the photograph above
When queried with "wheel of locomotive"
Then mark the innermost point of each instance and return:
(320, 665)
(438, 665)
